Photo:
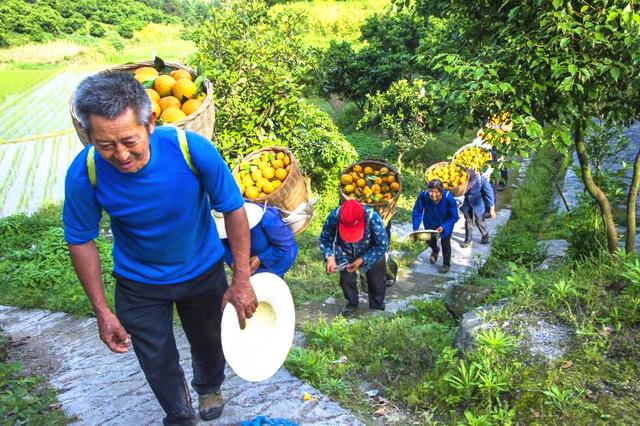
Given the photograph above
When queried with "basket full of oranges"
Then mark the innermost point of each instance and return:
(373, 183)
(454, 177)
(178, 96)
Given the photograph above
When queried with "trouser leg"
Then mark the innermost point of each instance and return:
(349, 288)
(146, 313)
(446, 251)
(433, 243)
(377, 284)
(468, 224)
(482, 225)
(200, 315)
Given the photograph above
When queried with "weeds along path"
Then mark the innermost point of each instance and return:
(37, 144)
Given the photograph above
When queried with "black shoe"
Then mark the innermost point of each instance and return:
(210, 406)
(433, 258)
(465, 243)
(485, 239)
(391, 282)
(444, 269)
(348, 311)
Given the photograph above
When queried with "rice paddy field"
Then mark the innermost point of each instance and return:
(37, 143)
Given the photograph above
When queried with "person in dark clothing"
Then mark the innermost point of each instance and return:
(437, 210)
(478, 198)
(353, 238)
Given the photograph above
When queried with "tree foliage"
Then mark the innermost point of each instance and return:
(258, 66)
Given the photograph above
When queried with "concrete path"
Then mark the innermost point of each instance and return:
(98, 387)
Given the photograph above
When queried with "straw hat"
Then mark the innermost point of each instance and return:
(254, 215)
(258, 351)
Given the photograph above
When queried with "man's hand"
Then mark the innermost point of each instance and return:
(332, 266)
(492, 212)
(112, 333)
(254, 264)
(355, 265)
(243, 298)
(439, 229)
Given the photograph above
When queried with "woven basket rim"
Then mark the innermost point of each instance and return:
(453, 189)
(378, 162)
(176, 65)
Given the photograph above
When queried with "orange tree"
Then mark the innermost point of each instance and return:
(558, 66)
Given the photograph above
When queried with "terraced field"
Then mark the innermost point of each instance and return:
(37, 143)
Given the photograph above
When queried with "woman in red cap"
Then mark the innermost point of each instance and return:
(353, 238)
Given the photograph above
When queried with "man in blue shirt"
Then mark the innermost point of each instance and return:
(273, 248)
(354, 237)
(478, 199)
(437, 210)
(166, 249)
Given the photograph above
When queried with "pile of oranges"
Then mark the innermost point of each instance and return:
(495, 129)
(472, 157)
(263, 175)
(368, 184)
(173, 96)
(451, 175)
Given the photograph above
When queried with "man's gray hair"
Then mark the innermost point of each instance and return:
(109, 94)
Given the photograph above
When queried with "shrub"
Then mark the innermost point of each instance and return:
(96, 29)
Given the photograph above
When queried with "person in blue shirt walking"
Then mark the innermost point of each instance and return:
(436, 209)
(353, 238)
(273, 248)
(157, 185)
(478, 199)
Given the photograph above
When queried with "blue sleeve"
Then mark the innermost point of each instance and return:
(452, 214)
(416, 215)
(328, 234)
(487, 193)
(228, 256)
(281, 242)
(214, 174)
(380, 242)
(81, 211)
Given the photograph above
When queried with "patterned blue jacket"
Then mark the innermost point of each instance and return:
(371, 248)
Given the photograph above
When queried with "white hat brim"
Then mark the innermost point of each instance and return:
(257, 352)
(254, 215)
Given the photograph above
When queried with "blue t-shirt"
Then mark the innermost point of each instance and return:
(433, 215)
(163, 232)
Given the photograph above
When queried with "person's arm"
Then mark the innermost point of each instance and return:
(488, 197)
(280, 240)
(416, 215)
(240, 293)
(379, 245)
(86, 263)
(327, 236)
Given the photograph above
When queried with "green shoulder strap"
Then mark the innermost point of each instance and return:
(184, 148)
(91, 165)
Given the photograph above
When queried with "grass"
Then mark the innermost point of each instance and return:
(25, 399)
(16, 81)
(335, 19)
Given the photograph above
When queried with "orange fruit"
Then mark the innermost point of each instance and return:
(378, 180)
(146, 70)
(184, 89)
(190, 106)
(153, 95)
(277, 164)
(170, 115)
(357, 168)
(169, 102)
(156, 108)
(348, 189)
(375, 188)
(368, 170)
(179, 74)
(361, 183)
(145, 76)
(247, 181)
(285, 159)
(346, 179)
(268, 172)
(255, 175)
(281, 174)
(260, 183)
(280, 155)
(163, 85)
(394, 186)
(251, 192)
(384, 170)
(268, 187)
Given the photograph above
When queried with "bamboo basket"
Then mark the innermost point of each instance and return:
(200, 121)
(387, 208)
(456, 191)
(293, 190)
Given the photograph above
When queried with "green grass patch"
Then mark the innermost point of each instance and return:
(16, 81)
(26, 399)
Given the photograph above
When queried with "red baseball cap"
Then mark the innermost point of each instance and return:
(351, 221)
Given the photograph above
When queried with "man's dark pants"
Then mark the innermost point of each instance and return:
(376, 284)
(469, 217)
(146, 312)
(446, 249)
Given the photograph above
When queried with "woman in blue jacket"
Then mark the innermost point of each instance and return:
(273, 248)
(437, 209)
(478, 199)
